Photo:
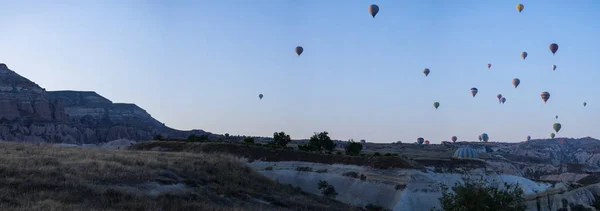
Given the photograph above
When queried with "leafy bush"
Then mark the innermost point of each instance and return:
(321, 171)
(158, 137)
(376, 154)
(479, 195)
(327, 189)
(353, 148)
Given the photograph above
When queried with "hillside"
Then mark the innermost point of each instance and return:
(43, 177)
(32, 114)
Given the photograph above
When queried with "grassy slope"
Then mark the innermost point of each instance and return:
(44, 177)
(253, 152)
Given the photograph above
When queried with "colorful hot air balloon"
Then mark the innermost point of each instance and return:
(426, 141)
(299, 50)
(426, 71)
(474, 91)
(489, 65)
(524, 55)
(516, 82)
(552, 135)
(553, 48)
(485, 137)
(480, 138)
(499, 96)
(556, 127)
(503, 100)
(545, 96)
(420, 140)
(554, 67)
(528, 138)
(454, 138)
(520, 7)
(436, 105)
(260, 96)
(584, 104)
(373, 9)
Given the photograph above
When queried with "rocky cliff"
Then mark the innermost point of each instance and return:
(30, 113)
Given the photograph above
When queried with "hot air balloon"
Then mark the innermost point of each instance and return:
(426, 141)
(556, 117)
(553, 48)
(373, 9)
(454, 138)
(545, 96)
(552, 135)
(485, 137)
(584, 104)
(528, 138)
(260, 96)
(499, 96)
(554, 67)
(520, 7)
(524, 55)
(516, 82)
(436, 105)
(556, 127)
(474, 91)
(480, 138)
(420, 140)
(489, 65)
(503, 100)
(426, 71)
(299, 50)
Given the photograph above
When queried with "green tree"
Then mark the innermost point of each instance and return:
(281, 139)
(158, 137)
(196, 138)
(353, 148)
(480, 195)
(321, 141)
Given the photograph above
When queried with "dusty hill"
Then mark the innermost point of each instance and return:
(45, 177)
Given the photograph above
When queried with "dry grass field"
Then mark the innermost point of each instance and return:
(46, 177)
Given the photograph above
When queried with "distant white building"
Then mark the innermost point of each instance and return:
(364, 143)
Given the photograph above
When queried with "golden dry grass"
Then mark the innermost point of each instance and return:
(45, 177)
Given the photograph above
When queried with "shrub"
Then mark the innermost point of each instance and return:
(376, 154)
(338, 153)
(327, 189)
(249, 140)
(479, 195)
(353, 148)
(269, 168)
(158, 137)
(196, 138)
(303, 168)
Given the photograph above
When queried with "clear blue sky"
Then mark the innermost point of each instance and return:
(201, 64)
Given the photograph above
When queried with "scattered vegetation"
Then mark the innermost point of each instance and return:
(353, 148)
(479, 195)
(269, 168)
(327, 189)
(158, 137)
(376, 154)
(355, 175)
(400, 186)
(46, 177)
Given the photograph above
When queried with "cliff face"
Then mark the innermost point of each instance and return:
(29, 113)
